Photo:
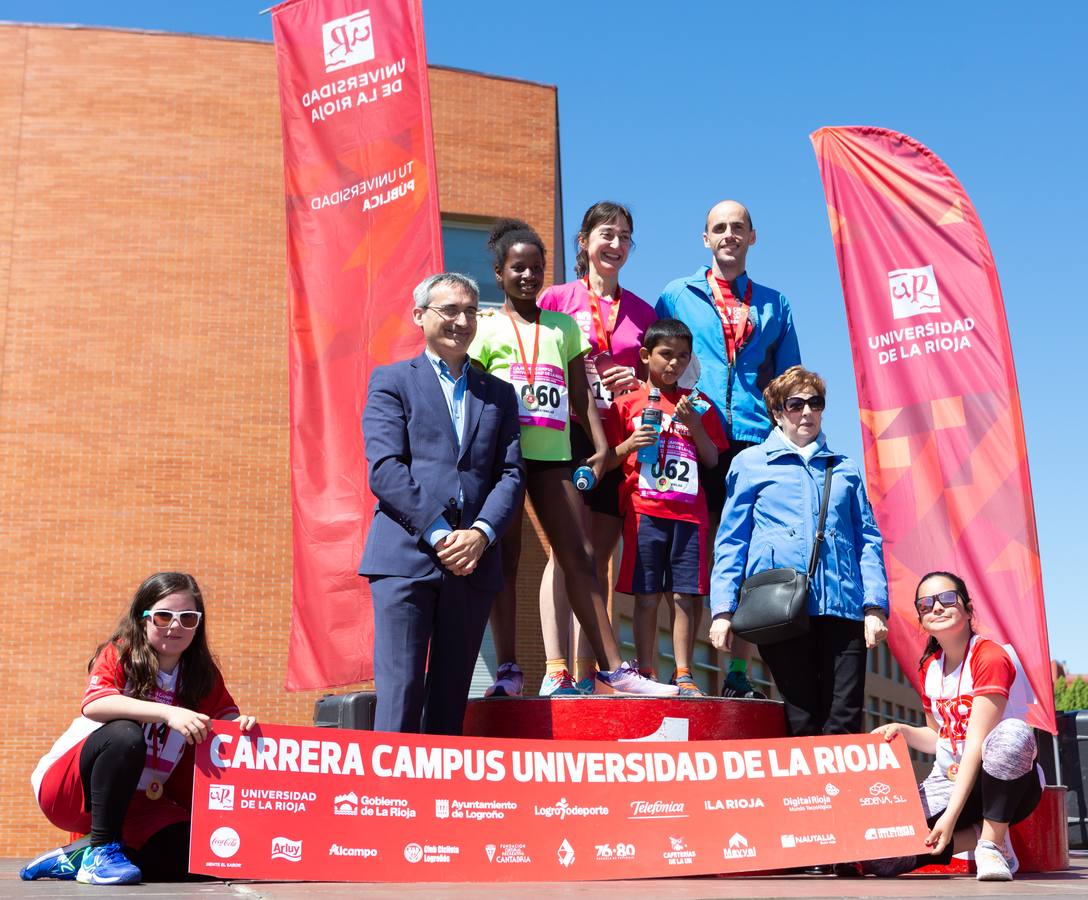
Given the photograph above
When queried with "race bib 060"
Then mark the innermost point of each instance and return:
(544, 402)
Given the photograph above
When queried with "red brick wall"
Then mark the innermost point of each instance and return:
(143, 377)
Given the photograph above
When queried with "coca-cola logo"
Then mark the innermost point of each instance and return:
(224, 842)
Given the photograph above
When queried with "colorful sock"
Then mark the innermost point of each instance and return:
(552, 666)
(681, 671)
(738, 665)
(585, 667)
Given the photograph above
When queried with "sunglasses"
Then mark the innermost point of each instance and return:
(796, 404)
(947, 599)
(164, 618)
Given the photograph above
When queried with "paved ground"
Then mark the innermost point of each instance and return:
(1071, 883)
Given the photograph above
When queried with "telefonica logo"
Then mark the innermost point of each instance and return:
(348, 41)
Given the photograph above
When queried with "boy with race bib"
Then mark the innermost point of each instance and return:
(540, 353)
(666, 519)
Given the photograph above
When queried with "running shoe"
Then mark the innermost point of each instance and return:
(688, 686)
(738, 686)
(627, 680)
(61, 863)
(509, 682)
(990, 863)
(559, 684)
(107, 864)
(1006, 848)
(587, 685)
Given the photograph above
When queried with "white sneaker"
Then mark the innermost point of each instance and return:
(509, 682)
(990, 863)
(628, 680)
(1006, 849)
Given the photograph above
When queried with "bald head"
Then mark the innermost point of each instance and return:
(729, 206)
(728, 235)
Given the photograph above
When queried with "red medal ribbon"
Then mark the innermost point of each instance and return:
(603, 332)
(530, 369)
(959, 683)
(732, 334)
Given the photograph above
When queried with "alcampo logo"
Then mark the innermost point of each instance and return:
(285, 848)
(224, 842)
(348, 41)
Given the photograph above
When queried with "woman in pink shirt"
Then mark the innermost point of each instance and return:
(613, 320)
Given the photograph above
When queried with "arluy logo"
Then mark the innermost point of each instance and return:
(224, 842)
(345, 804)
(221, 796)
(285, 848)
(565, 854)
(914, 292)
(348, 41)
(489, 849)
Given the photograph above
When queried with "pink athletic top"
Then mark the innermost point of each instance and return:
(635, 316)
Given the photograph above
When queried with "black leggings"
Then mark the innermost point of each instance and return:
(110, 765)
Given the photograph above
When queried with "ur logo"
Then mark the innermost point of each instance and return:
(913, 292)
(220, 796)
(348, 41)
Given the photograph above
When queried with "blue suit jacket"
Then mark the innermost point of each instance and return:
(414, 466)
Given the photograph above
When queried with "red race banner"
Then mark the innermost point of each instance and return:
(316, 804)
(945, 455)
(362, 230)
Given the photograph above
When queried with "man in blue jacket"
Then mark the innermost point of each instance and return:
(743, 337)
(443, 447)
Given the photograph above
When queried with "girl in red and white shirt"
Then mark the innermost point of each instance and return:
(975, 697)
(121, 771)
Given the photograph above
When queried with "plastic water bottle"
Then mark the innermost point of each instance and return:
(651, 416)
(584, 479)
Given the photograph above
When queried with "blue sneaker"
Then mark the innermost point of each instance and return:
(60, 863)
(559, 684)
(107, 864)
(587, 685)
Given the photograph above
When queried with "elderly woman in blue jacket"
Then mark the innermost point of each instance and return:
(771, 512)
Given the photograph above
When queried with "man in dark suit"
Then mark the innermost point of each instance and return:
(443, 447)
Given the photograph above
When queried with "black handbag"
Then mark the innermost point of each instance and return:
(773, 605)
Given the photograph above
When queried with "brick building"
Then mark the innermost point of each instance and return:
(143, 388)
(143, 377)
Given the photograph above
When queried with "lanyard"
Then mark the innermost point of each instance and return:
(603, 332)
(733, 334)
(663, 441)
(154, 787)
(530, 369)
(959, 683)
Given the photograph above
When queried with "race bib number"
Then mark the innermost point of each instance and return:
(672, 477)
(601, 395)
(544, 402)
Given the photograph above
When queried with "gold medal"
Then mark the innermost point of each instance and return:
(528, 398)
(154, 790)
(662, 483)
(953, 771)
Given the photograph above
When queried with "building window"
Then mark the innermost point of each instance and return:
(464, 246)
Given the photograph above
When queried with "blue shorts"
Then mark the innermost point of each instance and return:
(663, 555)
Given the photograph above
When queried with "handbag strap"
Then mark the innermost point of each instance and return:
(814, 559)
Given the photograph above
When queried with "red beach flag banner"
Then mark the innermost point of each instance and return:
(945, 454)
(362, 230)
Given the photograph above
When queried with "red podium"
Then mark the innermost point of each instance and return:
(612, 718)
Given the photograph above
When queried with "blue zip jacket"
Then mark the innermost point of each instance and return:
(772, 507)
(769, 351)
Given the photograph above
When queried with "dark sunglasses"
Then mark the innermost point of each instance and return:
(947, 599)
(796, 404)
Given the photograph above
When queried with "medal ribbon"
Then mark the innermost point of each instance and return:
(530, 369)
(732, 334)
(959, 682)
(603, 332)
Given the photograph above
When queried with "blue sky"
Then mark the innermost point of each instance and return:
(668, 107)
